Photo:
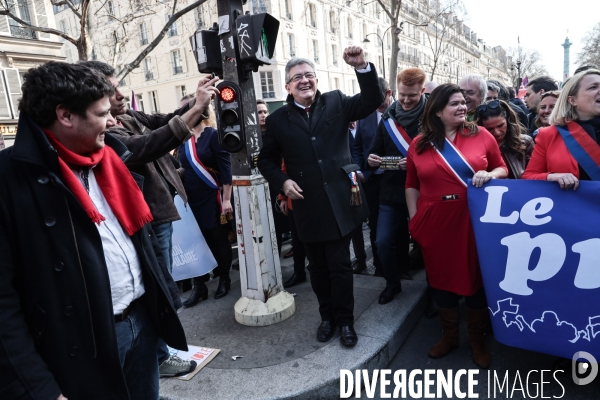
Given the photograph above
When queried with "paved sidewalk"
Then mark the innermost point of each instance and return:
(285, 360)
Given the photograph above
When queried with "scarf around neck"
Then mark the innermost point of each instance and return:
(406, 118)
(118, 186)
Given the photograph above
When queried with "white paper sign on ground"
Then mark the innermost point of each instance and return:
(202, 356)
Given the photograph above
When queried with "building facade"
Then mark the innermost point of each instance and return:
(20, 49)
(314, 29)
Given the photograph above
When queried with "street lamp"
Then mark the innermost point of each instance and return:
(519, 75)
(397, 30)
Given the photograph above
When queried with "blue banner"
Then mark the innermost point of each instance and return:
(539, 250)
(191, 255)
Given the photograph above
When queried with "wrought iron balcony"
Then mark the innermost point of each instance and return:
(149, 75)
(21, 32)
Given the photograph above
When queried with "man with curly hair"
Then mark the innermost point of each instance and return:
(83, 297)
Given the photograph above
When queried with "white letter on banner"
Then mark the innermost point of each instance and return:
(520, 247)
(346, 390)
(588, 273)
(472, 383)
(458, 393)
(370, 384)
(530, 211)
(428, 382)
(444, 383)
(384, 383)
(494, 203)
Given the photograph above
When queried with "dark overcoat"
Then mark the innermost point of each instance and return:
(318, 159)
(57, 326)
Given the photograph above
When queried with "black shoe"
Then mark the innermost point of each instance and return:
(388, 293)
(199, 291)
(378, 273)
(358, 266)
(223, 289)
(289, 254)
(294, 280)
(348, 336)
(325, 331)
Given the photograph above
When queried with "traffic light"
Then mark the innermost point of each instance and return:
(205, 45)
(230, 117)
(256, 34)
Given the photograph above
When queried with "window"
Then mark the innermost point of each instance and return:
(173, 29)
(290, 44)
(332, 22)
(312, 15)
(266, 85)
(336, 83)
(350, 27)
(334, 55)
(315, 48)
(110, 9)
(177, 62)
(62, 25)
(180, 91)
(148, 73)
(128, 102)
(21, 9)
(199, 15)
(140, 102)
(288, 9)
(143, 34)
(154, 102)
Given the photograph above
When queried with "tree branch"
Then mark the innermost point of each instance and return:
(135, 63)
(69, 4)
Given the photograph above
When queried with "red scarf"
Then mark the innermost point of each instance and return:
(118, 186)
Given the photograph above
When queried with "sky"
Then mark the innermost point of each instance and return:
(541, 25)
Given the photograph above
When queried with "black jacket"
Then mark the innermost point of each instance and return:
(392, 183)
(57, 328)
(317, 158)
(365, 134)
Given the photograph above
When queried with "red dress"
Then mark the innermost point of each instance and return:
(443, 227)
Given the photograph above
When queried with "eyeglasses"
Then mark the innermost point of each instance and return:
(491, 105)
(298, 77)
(553, 93)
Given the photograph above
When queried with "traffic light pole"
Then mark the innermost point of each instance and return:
(263, 301)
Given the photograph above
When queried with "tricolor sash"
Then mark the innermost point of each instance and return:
(197, 166)
(457, 163)
(582, 147)
(398, 135)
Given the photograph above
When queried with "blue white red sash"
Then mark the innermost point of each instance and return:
(458, 164)
(582, 147)
(197, 166)
(398, 135)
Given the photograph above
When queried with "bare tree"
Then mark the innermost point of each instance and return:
(392, 9)
(531, 63)
(590, 53)
(132, 10)
(443, 19)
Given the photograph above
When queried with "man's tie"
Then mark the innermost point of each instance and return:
(307, 109)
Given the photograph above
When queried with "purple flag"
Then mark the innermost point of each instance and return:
(134, 105)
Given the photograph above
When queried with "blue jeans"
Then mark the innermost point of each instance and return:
(164, 235)
(393, 241)
(137, 338)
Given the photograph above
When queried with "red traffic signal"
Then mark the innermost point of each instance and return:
(230, 116)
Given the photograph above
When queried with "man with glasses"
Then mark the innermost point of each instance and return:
(311, 132)
(533, 95)
(476, 89)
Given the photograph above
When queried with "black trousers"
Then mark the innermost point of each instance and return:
(332, 280)
(445, 299)
(358, 244)
(371, 188)
(297, 247)
(218, 243)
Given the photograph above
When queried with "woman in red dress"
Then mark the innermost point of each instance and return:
(439, 216)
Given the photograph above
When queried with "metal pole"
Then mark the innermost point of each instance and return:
(263, 301)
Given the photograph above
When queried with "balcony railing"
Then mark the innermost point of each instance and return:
(178, 69)
(21, 32)
(143, 41)
(149, 75)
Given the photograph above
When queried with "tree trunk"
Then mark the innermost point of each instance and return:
(82, 48)
(394, 58)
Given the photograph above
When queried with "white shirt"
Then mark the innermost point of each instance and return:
(379, 114)
(124, 269)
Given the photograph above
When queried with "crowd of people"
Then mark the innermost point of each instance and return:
(86, 207)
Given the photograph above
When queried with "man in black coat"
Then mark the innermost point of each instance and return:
(311, 133)
(533, 95)
(393, 239)
(371, 180)
(78, 267)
